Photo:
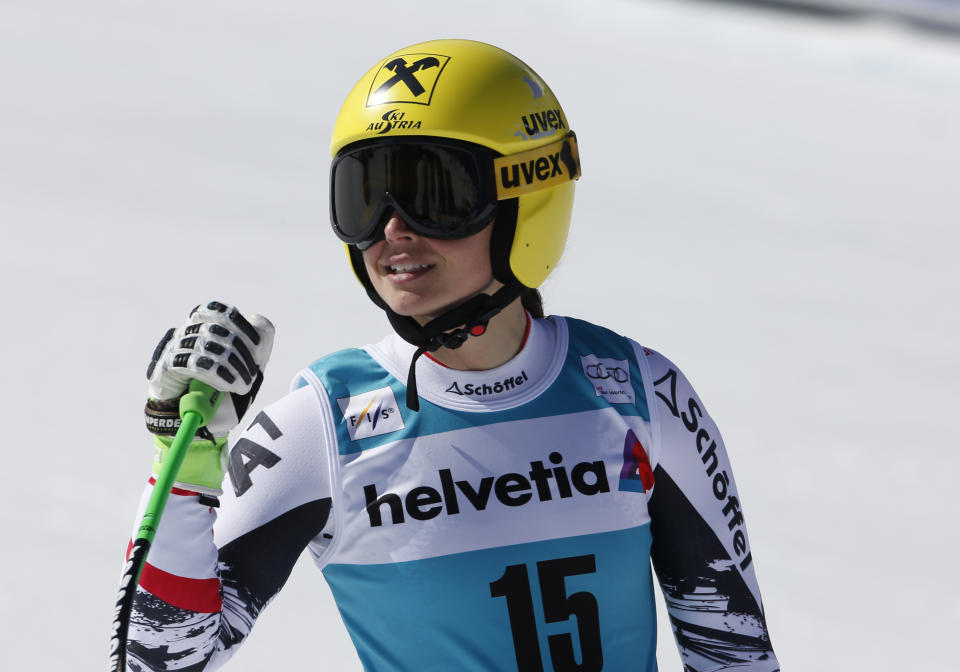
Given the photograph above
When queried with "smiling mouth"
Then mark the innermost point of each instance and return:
(407, 268)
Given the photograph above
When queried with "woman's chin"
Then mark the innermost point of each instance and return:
(424, 309)
(423, 314)
(421, 311)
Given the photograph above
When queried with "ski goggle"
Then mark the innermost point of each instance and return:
(440, 188)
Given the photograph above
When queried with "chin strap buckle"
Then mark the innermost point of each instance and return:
(452, 340)
(476, 326)
(450, 330)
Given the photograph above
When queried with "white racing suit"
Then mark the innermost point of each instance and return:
(508, 525)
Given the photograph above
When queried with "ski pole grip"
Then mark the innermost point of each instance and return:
(197, 408)
(202, 400)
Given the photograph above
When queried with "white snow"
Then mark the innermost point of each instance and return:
(769, 200)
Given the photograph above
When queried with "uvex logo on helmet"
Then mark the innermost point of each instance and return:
(407, 78)
(539, 124)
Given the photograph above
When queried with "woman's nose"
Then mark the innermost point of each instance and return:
(397, 229)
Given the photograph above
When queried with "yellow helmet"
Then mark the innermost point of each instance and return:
(476, 125)
(476, 93)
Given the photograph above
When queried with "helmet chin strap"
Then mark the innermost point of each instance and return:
(451, 329)
(470, 318)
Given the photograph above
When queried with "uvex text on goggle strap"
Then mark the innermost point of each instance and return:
(441, 188)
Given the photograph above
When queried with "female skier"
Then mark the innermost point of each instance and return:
(483, 489)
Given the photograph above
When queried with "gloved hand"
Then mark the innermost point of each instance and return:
(223, 349)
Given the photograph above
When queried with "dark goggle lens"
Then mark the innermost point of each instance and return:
(354, 203)
(439, 188)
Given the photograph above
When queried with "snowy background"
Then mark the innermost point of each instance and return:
(769, 199)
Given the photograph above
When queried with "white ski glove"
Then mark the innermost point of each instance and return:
(220, 347)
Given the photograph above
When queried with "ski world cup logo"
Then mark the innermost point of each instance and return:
(610, 378)
(408, 78)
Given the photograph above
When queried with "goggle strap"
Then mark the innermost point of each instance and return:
(537, 169)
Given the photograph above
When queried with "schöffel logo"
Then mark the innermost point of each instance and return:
(408, 78)
(717, 479)
(636, 474)
(486, 389)
(371, 413)
(513, 489)
(610, 378)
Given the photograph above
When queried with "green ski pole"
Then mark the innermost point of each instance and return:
(197, 408)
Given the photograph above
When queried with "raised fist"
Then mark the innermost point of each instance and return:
(218, 346)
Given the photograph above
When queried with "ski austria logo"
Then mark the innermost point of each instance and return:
(636, 474)
(408, 78)
(610, 378)
(393, 119)
(371, 413)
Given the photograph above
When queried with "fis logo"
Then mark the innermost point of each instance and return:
(636, 474)
(610, 378)
(371, 413)
(392, 119)
(537, 169)
(410, 78)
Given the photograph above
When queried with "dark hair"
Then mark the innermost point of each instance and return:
(532, 302)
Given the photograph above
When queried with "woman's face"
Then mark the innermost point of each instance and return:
(422, 277)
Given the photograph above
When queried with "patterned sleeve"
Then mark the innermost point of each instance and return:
(211, 571)
(701, 551)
